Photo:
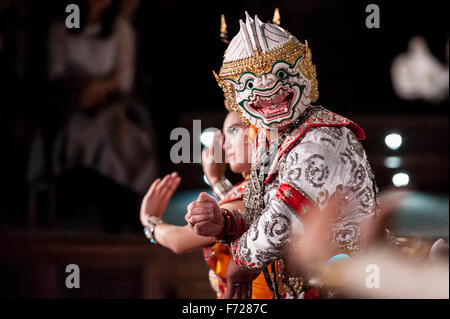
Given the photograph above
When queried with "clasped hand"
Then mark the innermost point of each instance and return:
(204, 216)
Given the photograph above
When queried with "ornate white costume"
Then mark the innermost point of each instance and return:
(269, 78)
(323, 161)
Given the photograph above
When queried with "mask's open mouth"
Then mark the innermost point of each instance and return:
(274, 105)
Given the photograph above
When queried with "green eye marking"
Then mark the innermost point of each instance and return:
(271, 70)
(260, 90)
(287, 74)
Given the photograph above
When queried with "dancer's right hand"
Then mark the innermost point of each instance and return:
(158, 196)
(204, 216)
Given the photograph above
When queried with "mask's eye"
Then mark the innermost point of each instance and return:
(282, 74)
(250, 85)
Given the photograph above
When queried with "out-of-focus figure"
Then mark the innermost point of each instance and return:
(128, 8)
(237, 147)
(417, 74)
(408, 268)
(19, 83)
(99, 126)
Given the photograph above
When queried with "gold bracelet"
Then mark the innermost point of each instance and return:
(226, 227)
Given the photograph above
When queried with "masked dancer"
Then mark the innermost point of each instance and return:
(304, 155)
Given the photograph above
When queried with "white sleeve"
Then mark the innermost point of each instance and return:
(315, 167)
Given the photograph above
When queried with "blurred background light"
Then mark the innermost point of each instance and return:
(206, 180)
(207, 138)
(393, 141)
(392, 162)
(400, 179)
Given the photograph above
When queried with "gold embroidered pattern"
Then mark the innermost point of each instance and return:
(262, 62)
(291, 284)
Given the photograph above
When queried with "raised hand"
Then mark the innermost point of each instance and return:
(212, 167)
(204, 216)
(158, 196)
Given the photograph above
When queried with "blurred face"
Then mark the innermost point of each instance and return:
(99, 6)
(129, 7)
(237, 145)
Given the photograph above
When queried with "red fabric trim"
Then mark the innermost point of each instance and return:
(228, 200)
(241, 262)
(312, 293)
(322, 117)
(236, 193)
(358, 131)
(294, 199)
(303, 133)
